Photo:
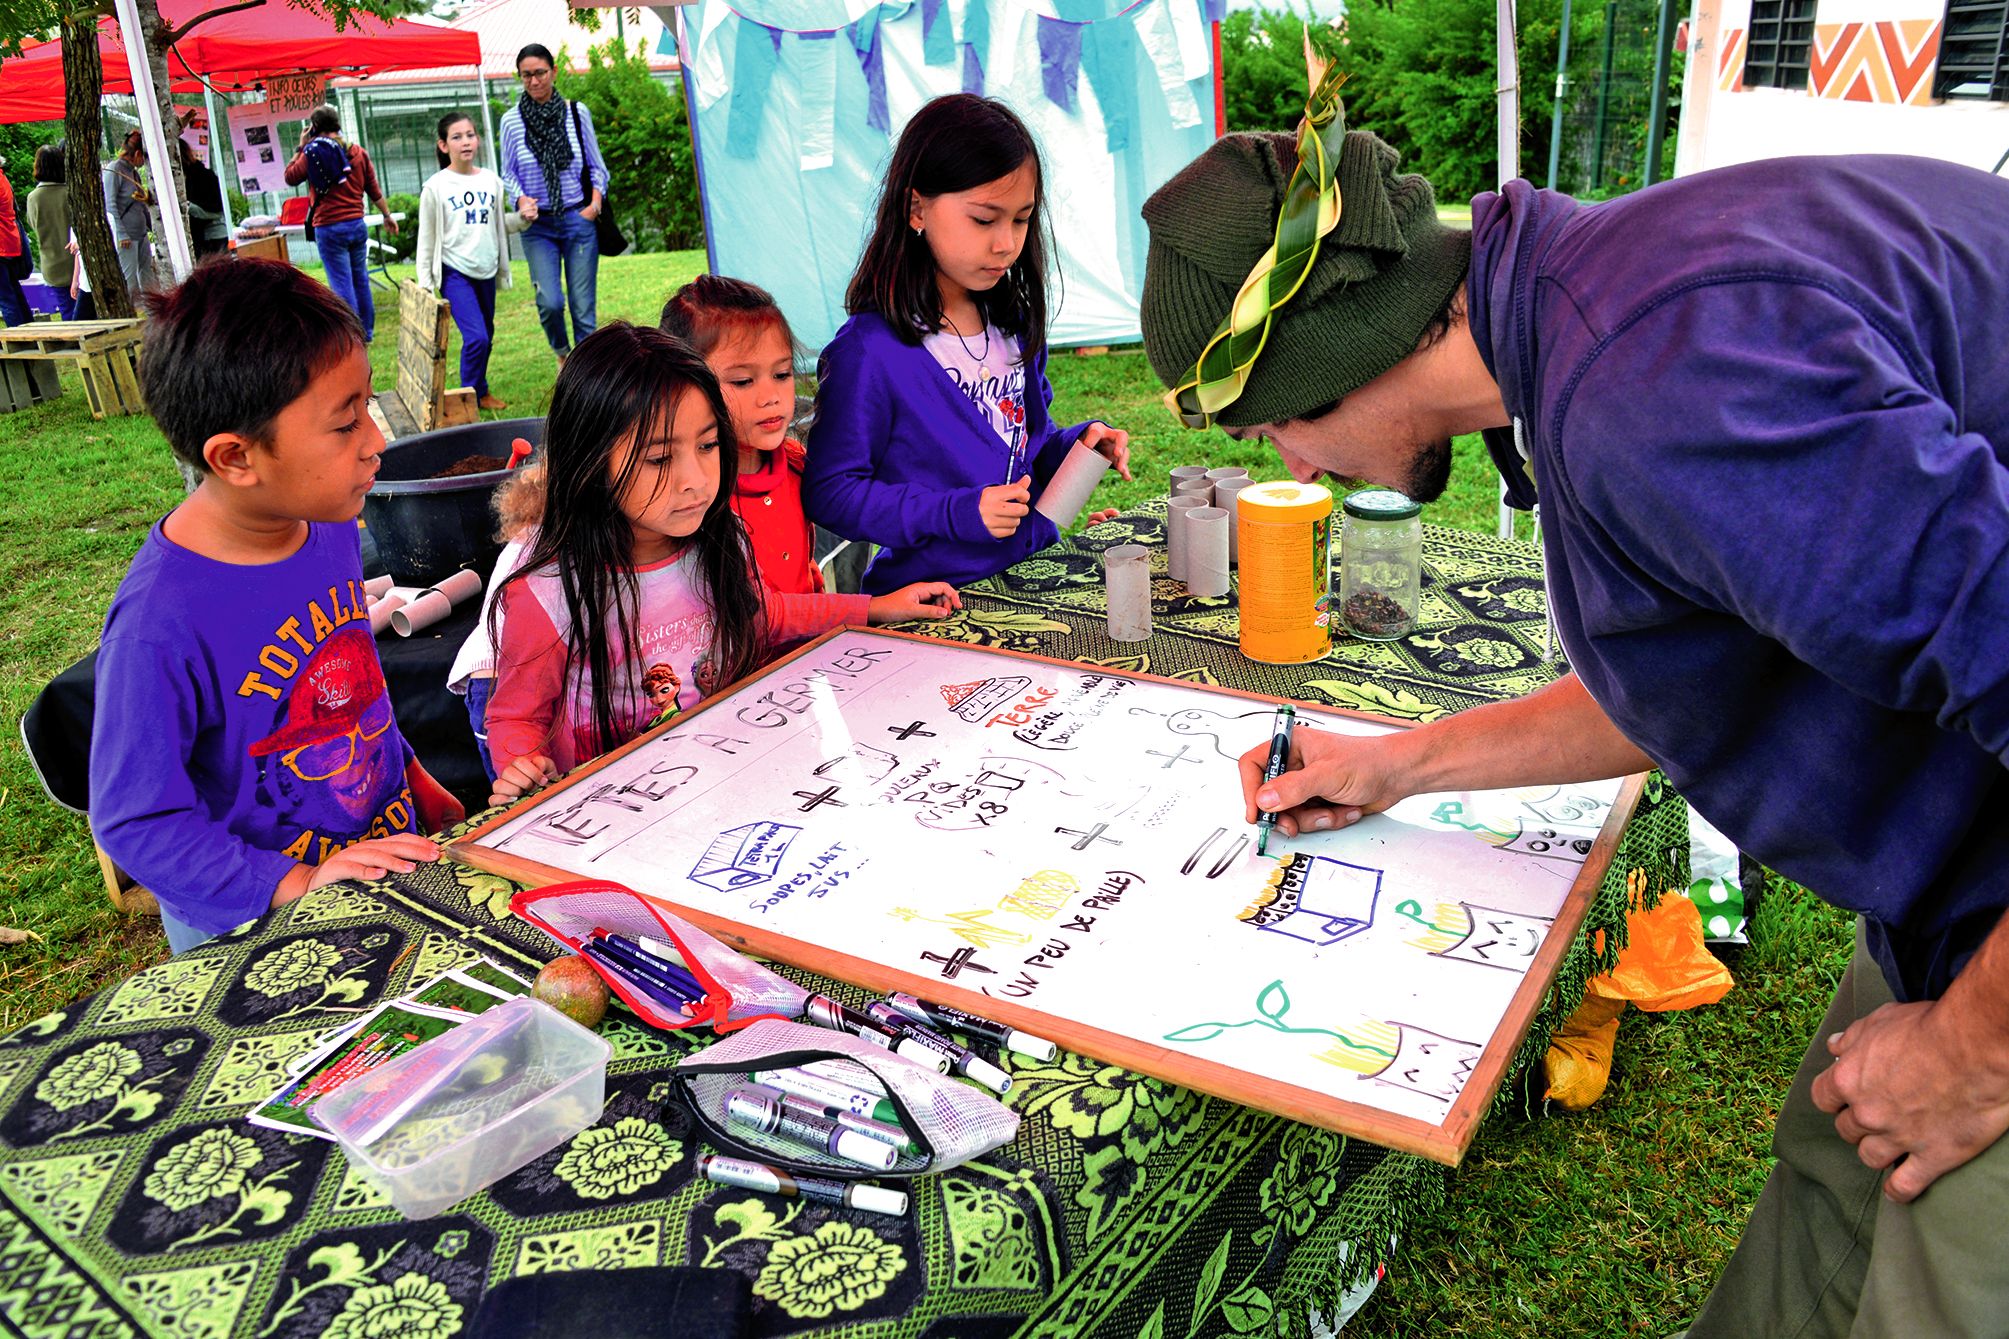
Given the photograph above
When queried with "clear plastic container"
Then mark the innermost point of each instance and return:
(1380, 564)
(470, 1106)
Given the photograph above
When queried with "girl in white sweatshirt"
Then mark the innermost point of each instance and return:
(463, 246)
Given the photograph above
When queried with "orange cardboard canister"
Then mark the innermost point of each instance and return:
(1283, 532)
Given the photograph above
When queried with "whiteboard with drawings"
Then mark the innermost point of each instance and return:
(1062, 847)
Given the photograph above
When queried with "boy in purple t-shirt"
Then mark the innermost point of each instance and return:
(244, 750)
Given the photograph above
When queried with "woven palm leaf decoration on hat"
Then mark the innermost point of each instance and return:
(1310, 211)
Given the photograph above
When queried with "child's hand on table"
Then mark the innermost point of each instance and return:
(372, 859)
(923, 599)
(524, 775)
(1005, 505)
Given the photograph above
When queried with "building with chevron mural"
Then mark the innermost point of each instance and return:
(1773, 77)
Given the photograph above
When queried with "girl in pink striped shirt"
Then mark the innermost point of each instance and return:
(638, 596)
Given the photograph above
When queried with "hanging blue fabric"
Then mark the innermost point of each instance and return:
(1109, 59)
(755, 53)
(938, 35)
(1059, 60)
(864, 36)
(976, 44)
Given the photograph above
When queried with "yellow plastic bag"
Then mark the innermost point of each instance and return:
(1665, 965)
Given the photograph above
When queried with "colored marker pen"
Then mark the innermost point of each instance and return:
(664, 966)
(666, 999)
(676, 981)
(757, 1111)
(832, 1095)
(826, 1012)
(886, 1132)
(1280, 752)
(749, 1175)
(984, 1029)
(961, 1059)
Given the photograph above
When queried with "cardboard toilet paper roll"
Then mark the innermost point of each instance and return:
(1179, 474)
(1176, 513)
(381, 611)
(1207, 552)
(1200, 487)
(1227, 472)
(376, 588)
(1225, 493)
(1066, 493)
(1127, 571)
(431, 606)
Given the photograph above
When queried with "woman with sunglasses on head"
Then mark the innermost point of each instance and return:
(553, 172)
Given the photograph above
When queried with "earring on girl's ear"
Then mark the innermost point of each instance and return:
(917, 230)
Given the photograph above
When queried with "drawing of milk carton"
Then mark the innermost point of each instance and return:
(1503, 939)
(1317, 900)
(1431, 1064)
(863, 765)
(744, 856)
(975, 701)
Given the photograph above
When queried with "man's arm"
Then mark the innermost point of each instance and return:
(1926, 1086)
(1553, 736)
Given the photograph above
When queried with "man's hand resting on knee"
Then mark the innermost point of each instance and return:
(1922, 1088)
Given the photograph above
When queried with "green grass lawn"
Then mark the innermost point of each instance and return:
(1612, 1223)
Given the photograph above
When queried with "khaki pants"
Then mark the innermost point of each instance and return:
(1825, 1254)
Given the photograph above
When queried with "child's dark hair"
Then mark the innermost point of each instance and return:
(713, 308)
(49, 163)
(446, 123)
(955, 143)
(621, 382)
(233, 345)
(325, 120)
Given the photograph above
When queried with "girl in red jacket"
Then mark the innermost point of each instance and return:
(739, 331)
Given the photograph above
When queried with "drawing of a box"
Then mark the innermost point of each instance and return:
(743, 856)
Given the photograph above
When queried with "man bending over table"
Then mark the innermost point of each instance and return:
(1766, 413)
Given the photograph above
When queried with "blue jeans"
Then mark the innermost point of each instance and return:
(13, 302)
(479, 690)
(66, 306)
(567, 238)
(181, 936)
(345, 255)
(473, 304)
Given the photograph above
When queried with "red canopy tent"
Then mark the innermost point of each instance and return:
(237, 50)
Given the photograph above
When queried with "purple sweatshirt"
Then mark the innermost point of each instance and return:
(242, 725)
(900, 457)
(1767, 408)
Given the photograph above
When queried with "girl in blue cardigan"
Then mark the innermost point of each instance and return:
(932, 437)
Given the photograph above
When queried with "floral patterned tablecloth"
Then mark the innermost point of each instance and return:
(136, 1200)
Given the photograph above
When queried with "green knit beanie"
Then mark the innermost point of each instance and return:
(1380, 275)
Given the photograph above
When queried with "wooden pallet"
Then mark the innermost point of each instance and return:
(103, 352)
(262, 248)
(423, 322)
(126, 895)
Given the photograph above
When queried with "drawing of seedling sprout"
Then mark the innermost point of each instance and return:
(1271, 1007)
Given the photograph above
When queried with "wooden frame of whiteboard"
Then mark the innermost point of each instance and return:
(1444, 1142)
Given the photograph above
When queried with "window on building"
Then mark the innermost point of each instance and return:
(1782, 38)
(1974, 51)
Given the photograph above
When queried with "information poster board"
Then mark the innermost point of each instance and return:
(1062, 847)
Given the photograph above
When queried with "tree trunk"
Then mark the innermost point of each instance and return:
(158, 38)
(83, 134)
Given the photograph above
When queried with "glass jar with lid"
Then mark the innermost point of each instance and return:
(1380, 564)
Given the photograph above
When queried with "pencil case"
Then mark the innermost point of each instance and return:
(948, 1122)
(737, 989)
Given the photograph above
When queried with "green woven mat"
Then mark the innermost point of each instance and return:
(134, 1200)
